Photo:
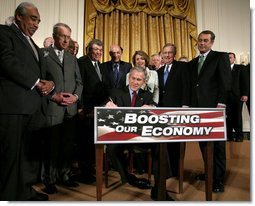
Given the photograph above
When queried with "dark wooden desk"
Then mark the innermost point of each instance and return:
(162, 181)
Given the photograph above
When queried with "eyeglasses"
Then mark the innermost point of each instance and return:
(64, 37)
(169, 52)
(98, 49)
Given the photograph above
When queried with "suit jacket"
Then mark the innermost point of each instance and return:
(175, 93)
(247, 74)
(108, 75)
(213, 83)
(121, 97)
(67, 78)
(94, 93)
(240, 82)
(19, 71)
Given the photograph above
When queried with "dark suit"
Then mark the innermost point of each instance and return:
(108, 74)
(208, 89)
(121, 97)
(60, 130)
(247, 73)
(94, 94)
(175, 93)
(234, 104)
(21, 114)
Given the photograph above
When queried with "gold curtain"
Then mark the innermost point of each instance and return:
(142, 25)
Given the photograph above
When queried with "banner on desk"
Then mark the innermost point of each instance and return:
(155, 125)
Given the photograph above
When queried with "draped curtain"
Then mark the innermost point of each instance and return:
(142, 25)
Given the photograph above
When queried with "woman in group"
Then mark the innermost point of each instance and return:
(141, 59)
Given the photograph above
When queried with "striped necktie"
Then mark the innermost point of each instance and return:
(116, 73)
(166, 72)
(200, 63)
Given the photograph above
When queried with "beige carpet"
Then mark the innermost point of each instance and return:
(237, 184)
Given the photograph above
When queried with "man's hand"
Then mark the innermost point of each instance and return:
(58, 98)
(244, 98)
(148, 106)
(64, 98)
(45, 87)
(68, 98)
(110, 104)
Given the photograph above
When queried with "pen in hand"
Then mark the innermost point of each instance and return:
(111, 103)
(110, 99)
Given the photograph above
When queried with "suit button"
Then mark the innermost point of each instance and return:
(197, 85)
(163, 91)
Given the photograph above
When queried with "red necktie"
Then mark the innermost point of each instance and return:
(133, 99)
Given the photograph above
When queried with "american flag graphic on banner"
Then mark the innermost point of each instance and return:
(140, 125)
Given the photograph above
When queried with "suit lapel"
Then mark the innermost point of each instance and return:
(25, 41)
(121, 71)
(54, 56)
(127, 98)
(207, 59)
(171, 73)
(110, 66)
(161, 77)
(139, 100)
(92, 69)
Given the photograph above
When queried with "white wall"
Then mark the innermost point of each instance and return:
(70, 12)
(230, 21)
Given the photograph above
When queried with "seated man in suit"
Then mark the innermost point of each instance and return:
(131, 96)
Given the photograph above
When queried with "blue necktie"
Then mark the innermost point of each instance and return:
(116, 73)
(166, 73)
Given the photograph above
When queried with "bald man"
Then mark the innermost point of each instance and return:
(114, 71)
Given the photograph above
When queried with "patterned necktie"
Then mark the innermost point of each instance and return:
(116, 73)
(133, 99)
(60, 56)
(166, 72)
(98, 71)
(200, 63)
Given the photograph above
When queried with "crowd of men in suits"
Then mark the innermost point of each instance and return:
(43, 91)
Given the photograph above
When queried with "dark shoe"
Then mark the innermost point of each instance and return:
(200, 177)
(39, 197)
(50, 189)
(218, 187)
(141, 183)
(86, 179)
(154, 195)
(239, 140)
(70, 183)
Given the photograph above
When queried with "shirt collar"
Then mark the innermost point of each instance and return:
(205, 54)
(56, 49)
(169, 66)
(131, 91)
(115, 63)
